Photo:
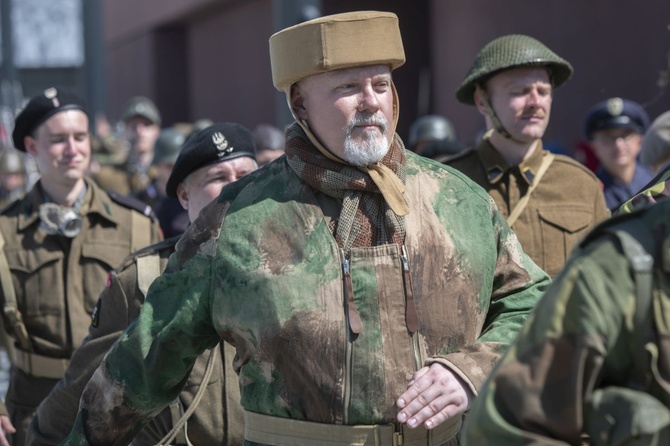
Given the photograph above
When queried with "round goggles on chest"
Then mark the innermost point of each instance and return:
(59, 220)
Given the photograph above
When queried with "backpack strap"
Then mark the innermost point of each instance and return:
(521, 205)
(148, 268)
(637, 244)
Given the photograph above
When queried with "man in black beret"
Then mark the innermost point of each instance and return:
(221, 153)
(615, 129)
(58, 243)
(210, 159)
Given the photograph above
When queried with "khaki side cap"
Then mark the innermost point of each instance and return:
(335, 42)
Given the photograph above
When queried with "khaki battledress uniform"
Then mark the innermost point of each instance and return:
(218, 419)
(567, 202)
(57, 281)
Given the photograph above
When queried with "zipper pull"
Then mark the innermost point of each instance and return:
(353, 316)
(411, 318)
(403, 258)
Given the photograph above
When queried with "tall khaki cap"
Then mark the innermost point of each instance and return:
(335, 42)
(511, 51)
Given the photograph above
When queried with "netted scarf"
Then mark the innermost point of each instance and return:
(365, 219)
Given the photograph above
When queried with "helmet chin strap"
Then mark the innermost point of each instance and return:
(497, 125)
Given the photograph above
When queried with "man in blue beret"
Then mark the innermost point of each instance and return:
(615, 128)
(57, 246)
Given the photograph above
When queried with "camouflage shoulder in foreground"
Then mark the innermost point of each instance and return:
(581, 337)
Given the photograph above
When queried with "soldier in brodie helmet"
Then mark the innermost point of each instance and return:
(367, 290)
(58, 243)
(200, 172)
(549, 200)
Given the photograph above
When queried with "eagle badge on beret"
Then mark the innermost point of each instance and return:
(52, 93)
(221, 144)
(615, 106)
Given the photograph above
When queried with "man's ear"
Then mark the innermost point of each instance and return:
(478, 101)
(298, 102)
(30, 144)
(182, 195)
(482, 102)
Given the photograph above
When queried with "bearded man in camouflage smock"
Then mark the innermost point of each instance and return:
(368, 291)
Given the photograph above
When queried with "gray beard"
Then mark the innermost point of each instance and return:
(371, 148)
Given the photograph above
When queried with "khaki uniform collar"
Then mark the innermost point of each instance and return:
(496, 166)
(95, 202)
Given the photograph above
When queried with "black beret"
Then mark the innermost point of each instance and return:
(214, 144)
(615, 113)
(42, 107)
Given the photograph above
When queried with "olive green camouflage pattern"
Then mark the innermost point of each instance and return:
(260, 268)
(218, 418)
(656, 190)
(515, 50)
(589, 350)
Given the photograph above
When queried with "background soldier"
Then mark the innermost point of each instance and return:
(615, 130)
(270, 142)
(141, 126)
(59, 243)
(13, 179)
(550, 200)
(172, 217)
(594, 358)
(198, 176)
(655, 151)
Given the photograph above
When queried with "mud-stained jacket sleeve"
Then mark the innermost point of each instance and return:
(154, 356)
(537, 391)
(56, 414)
(518, 284)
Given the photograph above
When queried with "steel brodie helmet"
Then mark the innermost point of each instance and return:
(512, 51)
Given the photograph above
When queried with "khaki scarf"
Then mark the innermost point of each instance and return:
(366, 218)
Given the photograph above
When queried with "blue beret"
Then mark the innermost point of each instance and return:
(214, 144)
(615, 113)
(42, 107)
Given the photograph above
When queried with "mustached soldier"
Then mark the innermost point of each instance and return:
(201, 170)
(59, 243)
(549, 200)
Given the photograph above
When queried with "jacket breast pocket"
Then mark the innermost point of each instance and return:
(38, 281)
(97, 260)
(561, 228)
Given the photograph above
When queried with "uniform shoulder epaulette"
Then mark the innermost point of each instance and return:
(149, 250)
(573, 162)
(457, 156)
(133, 203)
(5, 207)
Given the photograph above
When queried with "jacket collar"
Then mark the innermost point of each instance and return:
(95, 202)
(495, 166)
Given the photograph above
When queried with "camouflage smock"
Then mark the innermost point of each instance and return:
(580, 338)
(260, 268)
